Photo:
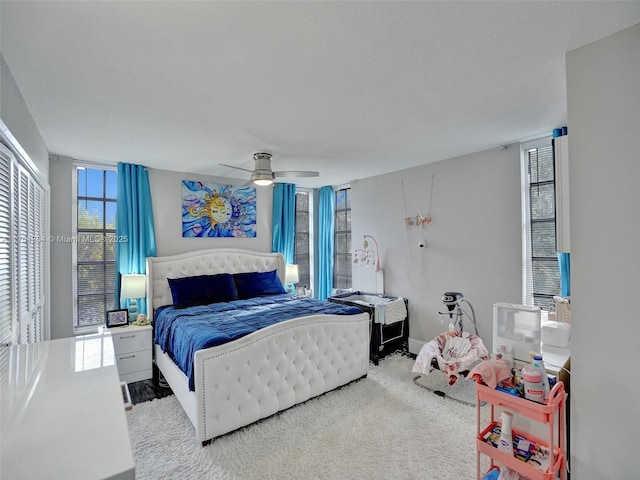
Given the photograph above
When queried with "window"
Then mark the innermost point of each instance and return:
(342, 240)
(301, 254)
(95, 252)
(541, 276)
(23, 240)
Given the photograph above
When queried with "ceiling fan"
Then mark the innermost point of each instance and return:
(263, 175)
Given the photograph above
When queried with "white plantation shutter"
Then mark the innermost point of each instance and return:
(23, 256)
(31, 242)
(6, 286)
(23, 207)
(40, 235)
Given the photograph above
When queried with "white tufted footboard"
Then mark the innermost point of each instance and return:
(276, 368)
(264, 372)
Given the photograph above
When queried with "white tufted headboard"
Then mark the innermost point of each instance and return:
(205, 262)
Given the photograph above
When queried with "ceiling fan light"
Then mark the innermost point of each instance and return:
(262, 179)
(263, 183)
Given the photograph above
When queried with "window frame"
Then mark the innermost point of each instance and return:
(529, 295)
(90, 327)
(347, 255)
(304, 260)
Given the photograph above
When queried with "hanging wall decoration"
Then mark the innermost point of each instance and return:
(213, 210)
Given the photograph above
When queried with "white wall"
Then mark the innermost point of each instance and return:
(61, 299)
(473, 245)
(20, 130)
(166, 198)
(17, 118)
(166, 195)
(604, 122)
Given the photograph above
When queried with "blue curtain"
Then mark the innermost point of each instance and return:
(324, 284)
(565, 273)
(284, 220)
(134, 226)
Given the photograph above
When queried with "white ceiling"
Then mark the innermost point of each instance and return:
(352, 89)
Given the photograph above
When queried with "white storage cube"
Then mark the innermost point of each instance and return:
(556, 334)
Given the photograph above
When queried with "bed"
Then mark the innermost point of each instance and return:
(264, 372)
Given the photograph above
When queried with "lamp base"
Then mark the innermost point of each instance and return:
(133, 311)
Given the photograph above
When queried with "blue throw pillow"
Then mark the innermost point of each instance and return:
(258, 284)
(202, 290)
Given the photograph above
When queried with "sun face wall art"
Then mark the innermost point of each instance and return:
(213, 210)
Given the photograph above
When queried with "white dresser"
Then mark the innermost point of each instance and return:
(61, 412)
(132, 346)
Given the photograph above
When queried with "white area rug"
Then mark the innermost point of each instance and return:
(380, 427)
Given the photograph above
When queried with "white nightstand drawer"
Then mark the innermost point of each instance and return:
(137, 376)
(133, 361)
(131, 340)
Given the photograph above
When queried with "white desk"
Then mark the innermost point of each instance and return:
(554, 358)
(61, 412)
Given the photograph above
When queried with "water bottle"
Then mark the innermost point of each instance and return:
(538, 364)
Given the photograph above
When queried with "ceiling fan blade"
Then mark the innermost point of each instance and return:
(237, 168)
(296, 173)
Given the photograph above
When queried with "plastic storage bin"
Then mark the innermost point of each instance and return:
(556, 334)
(518, 326)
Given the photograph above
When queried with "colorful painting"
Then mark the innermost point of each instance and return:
(212, 210)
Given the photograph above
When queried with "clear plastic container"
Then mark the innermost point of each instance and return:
(519, 327)
(504, 353)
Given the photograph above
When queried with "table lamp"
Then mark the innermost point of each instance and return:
(291, 277)
(132, 287)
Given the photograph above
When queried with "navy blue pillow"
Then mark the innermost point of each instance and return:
(202, 290)
(258, 284)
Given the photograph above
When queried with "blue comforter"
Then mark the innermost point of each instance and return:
(181, 332)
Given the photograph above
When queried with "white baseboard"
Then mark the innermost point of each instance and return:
(415, 346)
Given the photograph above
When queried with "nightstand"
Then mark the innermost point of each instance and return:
(132, 346)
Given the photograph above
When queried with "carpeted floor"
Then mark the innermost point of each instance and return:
(380, 427)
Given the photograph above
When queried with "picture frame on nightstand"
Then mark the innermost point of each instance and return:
(117, 318)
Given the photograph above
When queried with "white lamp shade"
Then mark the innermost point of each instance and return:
(133, 286)
(291, 274)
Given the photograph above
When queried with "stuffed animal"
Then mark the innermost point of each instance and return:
(142, 320)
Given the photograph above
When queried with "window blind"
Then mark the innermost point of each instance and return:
(95, 251)
(302, 251)
(342, 240)
(540, 264)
